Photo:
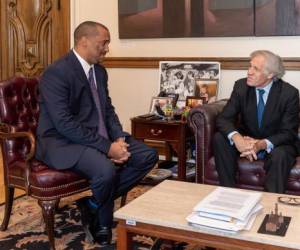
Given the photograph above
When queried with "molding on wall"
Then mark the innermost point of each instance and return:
(229, 63)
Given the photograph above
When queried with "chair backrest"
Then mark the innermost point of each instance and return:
(19, 109)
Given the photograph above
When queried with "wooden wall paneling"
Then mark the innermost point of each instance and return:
(3, 40)
(228, 63)
(60, 28)
(34, 34)
(28, 33)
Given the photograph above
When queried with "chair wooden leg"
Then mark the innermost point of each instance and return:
(48, 210)
(123, 200)
(57, 205)
(9, 198)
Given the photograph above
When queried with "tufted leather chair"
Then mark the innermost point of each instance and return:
(250, 175)
(19, 111)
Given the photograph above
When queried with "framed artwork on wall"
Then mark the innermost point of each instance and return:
(207, 18)
(179, 77)
(277, 18)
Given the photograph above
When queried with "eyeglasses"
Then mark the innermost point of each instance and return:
(289, 200)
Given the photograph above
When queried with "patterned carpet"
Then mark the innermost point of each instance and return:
(26, 229)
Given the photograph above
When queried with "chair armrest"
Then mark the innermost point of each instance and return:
(7, 132)
(202, 120)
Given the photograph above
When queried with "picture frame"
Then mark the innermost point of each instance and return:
(193, 18)
(159, 105)
(193, 101)
(207, 90)
(212, 18)
(174, 97)
(179, 77)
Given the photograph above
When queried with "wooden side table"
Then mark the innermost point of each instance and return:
(175, 133)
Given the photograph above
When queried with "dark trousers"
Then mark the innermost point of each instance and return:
(277, 164)
(109, 181)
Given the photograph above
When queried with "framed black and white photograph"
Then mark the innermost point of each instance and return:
(159, 105)
(179, 77)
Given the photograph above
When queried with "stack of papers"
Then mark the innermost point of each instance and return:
(227, 209)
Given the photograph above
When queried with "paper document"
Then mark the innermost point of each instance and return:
(228, 203)
(215, 216)
(226, 209)
(232, 225)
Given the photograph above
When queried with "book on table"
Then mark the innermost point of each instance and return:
(227, 209)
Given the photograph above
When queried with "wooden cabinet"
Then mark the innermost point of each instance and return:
(175, 133)
(156, 131)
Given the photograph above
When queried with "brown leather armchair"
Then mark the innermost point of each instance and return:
(19, 112)
(250, 175)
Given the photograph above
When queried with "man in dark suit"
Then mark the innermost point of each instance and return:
(79, 129)
(260, 121)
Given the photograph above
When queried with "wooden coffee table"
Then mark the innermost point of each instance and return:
(161, 212)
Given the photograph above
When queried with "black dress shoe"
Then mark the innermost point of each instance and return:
(103, 236)
(88, 218)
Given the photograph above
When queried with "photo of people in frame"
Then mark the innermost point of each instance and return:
(193, 101)
(207, 90)
(178, 77)
(159, 105)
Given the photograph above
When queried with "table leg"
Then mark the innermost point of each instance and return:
(124, 238)
(182, 162)
(168, 151)
(181, 154)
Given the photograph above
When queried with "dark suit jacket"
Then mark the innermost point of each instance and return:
(280, 119)
(68, 121)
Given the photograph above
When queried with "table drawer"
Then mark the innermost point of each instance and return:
(156, 132)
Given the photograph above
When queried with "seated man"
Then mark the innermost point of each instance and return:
(267, 111)
(79, 129)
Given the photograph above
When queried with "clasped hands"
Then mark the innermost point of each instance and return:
(248, 146)
(118, 151)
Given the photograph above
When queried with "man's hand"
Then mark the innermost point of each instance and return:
(252, 153)
(250, 140)
(241, 143)
(260, 145)
(118, 151)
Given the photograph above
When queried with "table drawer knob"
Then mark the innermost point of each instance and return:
(155, 132)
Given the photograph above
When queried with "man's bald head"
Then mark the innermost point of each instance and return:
(87, 29)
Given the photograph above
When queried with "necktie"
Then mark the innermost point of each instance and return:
(101, 126)
(260, 111)
(260, 106)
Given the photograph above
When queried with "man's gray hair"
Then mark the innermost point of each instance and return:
(274, 64)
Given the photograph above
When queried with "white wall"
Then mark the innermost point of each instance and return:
(131, 89)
